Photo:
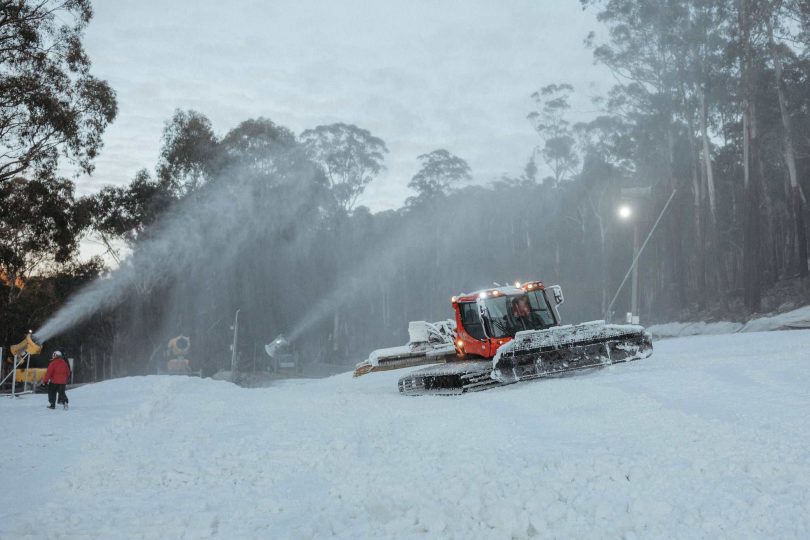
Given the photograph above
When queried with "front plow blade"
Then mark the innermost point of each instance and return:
(402, 357)
(429, 343)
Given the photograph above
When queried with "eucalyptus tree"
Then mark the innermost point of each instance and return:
(351, 157)
(777, 23)
(746, 43)
(39, 227)
(123, 213)
(190, 154)
(440, 170)
(642, 51)
(550, 122)
(51, 105)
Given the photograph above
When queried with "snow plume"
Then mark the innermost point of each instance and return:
(202, 235)
(332, 302)
(381, 264)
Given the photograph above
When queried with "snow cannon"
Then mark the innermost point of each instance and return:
(179, 346)
(26, 346)
(282, 357)
(177, 362)
(277, 346)
(21, 365)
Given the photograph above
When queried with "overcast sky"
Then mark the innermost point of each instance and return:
(420, 74)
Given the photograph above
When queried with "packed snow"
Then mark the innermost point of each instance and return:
(708, 438)
(789, 320)
(701, 328)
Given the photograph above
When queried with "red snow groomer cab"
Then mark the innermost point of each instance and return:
(487, 319)
(504, 335)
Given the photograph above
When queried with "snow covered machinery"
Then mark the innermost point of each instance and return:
(429, 343)
(177, 362)
(505, 335)
(20, 368)
(283, 359)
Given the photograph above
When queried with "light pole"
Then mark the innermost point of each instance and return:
(626, 214)
(233, 345)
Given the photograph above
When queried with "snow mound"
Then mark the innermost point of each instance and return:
(679, 329)
(791, 320)
(708, 439)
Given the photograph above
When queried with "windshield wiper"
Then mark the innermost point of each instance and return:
(501, 325)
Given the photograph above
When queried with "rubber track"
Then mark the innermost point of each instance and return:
(461, 377)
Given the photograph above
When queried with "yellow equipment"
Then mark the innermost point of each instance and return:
(31, 375)
(177, 362)
(22, 352)
(178, 349)
(28, 345)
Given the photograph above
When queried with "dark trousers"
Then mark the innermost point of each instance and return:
(53, 389)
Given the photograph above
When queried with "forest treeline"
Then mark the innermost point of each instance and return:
(711, 110)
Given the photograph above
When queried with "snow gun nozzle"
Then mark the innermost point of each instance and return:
(28, 345)
(278, 345)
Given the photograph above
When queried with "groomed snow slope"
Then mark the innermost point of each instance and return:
(708, 438)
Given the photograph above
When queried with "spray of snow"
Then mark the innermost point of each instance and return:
(379, 265)
(225, 214)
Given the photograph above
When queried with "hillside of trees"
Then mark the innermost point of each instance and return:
(711, 111)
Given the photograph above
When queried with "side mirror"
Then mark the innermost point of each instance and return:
(556, 291)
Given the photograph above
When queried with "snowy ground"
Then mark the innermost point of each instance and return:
(789, 320)
(708, 438)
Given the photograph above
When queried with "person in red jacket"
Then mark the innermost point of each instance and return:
(56, 378)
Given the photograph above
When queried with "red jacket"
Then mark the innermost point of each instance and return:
(58, 372)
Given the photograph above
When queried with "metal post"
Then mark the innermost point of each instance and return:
(233, 346)
(14, 378)
(27, 372)
(634, 318)
(12, 374)
(640, 251)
